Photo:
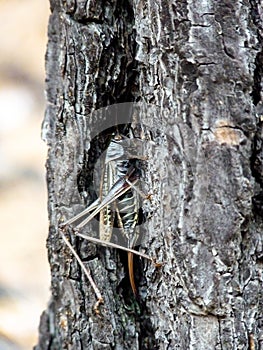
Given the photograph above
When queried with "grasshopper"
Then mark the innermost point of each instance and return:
(118, 201)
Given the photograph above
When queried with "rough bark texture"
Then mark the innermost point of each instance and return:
(200, 62)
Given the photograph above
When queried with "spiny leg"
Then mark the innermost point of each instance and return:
(91, 207)
(141, 193)
(86, 270)
(117, 246)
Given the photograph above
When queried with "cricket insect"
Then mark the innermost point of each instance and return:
(119, 201)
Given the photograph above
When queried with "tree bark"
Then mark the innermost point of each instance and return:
(200, 65)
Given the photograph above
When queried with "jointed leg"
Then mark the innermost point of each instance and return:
(141, 193)
(86, 270)
(91, 207)
(113, 245)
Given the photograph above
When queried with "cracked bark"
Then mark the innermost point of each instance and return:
(201, 64)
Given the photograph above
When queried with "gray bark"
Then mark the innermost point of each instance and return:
(200, 62)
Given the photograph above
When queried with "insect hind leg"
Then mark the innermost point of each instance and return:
(86, 271)
(90, 208)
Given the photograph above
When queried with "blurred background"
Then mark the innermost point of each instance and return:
(24, 271)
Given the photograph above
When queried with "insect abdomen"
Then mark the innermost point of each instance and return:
(128, 207)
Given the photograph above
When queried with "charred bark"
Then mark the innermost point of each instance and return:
(200, 65)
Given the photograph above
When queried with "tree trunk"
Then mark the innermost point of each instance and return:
(197, 67)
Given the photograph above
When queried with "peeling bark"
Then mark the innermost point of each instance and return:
(200, 64)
